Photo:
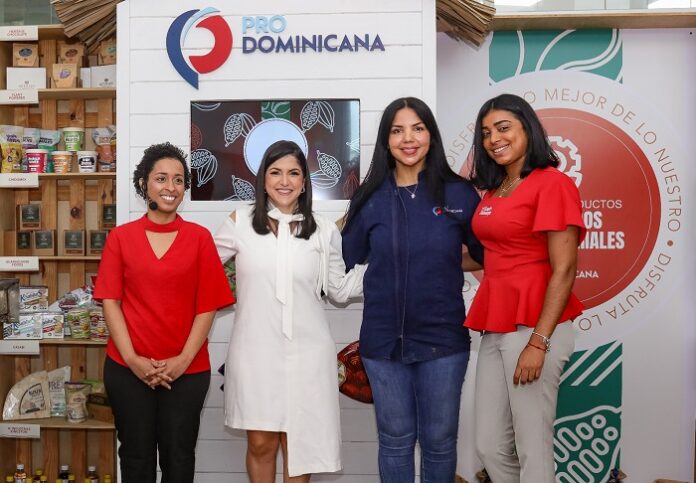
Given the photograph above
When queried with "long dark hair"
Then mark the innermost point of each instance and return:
(486, 173)
(274, 152)
(436, 171)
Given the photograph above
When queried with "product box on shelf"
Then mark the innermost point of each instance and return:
(103, 76)
(85, 77)
(73, 242)
(71, 53)
(52, 325)
(64, 76)
(9, 300)
(25, 55)
(107, 51)
(44, 243)
(29, 326)
(29, 216)
(26, 78)
(33, 298)
(99, 407)
(22, 243)
(96, 241)
(107, 216)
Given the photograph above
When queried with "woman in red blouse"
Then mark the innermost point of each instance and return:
(530, 224)
(161, 282)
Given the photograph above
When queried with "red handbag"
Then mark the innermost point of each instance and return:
(352, 378)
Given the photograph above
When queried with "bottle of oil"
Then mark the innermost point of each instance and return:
(20, 475)
(63, 474)
(37, 475)
(92, 475)
(9, 479)
(107, 478)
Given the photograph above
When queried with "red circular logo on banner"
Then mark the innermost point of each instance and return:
(620, 196)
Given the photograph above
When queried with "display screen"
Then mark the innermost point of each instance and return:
(229, 138)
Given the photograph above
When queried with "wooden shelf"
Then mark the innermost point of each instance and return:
(72, 342)
(70, 258)
(595, 19)
(74, 175)
(62, 423)
(78, 93)
(29, 96)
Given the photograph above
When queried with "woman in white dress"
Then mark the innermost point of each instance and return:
(281, 381)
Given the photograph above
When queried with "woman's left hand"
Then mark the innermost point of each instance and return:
(529, 365)
(174, 367)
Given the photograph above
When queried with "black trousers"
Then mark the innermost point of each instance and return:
(148, 421)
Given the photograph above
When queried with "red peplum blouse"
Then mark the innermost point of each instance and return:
(517, 269)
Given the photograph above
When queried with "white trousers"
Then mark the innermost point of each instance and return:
(514, 423)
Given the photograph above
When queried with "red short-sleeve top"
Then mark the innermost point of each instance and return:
(160, 297)
(513, 231)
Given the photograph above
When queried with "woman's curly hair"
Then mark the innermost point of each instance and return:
(153, 154)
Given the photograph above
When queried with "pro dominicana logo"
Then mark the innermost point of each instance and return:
(260, 35)
(199, 64)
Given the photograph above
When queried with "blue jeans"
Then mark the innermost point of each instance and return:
(418, 401)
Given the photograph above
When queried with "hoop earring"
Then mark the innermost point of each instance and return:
(303, 189)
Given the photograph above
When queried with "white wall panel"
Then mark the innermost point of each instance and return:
(154, 105)
(396, 62)
(388, 26)
(174, 8)
(173, 97)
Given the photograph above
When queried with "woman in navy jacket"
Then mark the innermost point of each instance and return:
(409, 221)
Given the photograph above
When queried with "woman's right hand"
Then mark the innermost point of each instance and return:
(147, 370)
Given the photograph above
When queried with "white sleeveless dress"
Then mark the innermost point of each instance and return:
(281, 372)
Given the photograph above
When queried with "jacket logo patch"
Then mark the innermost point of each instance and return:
(438, 210)
(486, 211)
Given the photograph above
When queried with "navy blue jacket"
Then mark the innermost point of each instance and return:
(414, 309)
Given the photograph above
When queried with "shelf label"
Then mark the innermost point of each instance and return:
(19, 96)
(19, 347)
(19, 180)
(19, 264)
(19, 32)
(20, 430)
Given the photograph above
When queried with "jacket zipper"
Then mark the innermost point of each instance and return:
(405, 275)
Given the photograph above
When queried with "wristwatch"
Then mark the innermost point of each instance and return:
(545, 340)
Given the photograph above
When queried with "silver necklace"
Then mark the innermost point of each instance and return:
(412, 193)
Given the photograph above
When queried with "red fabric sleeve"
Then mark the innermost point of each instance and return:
(109, 284)
(213, 290)
(559, 206)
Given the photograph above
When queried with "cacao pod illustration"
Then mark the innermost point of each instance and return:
(206, 106)
(205, 164)
(327, 117)
(350, 185)
(322, 181)
(239, 124)
(273, 109)
(309, 115)
(242, 190)
(354, 145)
(329, 165)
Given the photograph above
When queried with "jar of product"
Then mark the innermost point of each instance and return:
(105, 160)
(87, 161)
(78, 320)
(37, 159)
(97, 325)
(74, 138)
(62, 161)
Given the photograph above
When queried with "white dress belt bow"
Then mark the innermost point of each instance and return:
(284, 265)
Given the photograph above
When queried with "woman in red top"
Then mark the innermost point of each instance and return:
(530, 224)
(161, 282)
